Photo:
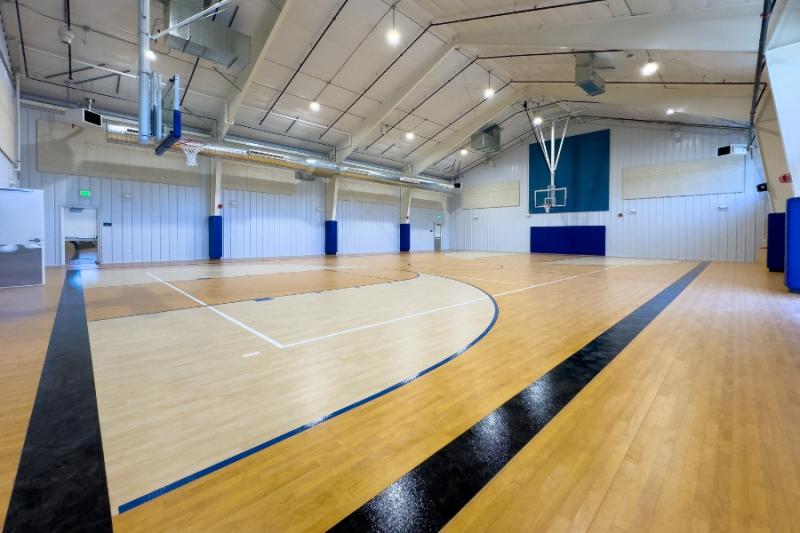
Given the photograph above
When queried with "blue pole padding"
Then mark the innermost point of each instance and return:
(776, 241)
(792, 265)
(215, 237)
(331, 237)
(405, 237)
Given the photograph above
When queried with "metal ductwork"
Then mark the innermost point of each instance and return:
(487, 140)
(205, 38)
(307, 164)
(586, 76)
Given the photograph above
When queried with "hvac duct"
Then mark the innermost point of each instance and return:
(203, 37)
(307, 163)
(586, 77)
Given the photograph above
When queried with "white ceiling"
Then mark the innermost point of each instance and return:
(353, 54)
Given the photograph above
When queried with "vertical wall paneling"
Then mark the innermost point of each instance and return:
(681, 227)
(150, 221)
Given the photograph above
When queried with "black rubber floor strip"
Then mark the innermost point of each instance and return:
(431, 494)
(61, 478)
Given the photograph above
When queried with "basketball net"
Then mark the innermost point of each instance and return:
(191, 149)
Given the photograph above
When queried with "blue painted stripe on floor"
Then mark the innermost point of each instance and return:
(255, 449)
(264, 299)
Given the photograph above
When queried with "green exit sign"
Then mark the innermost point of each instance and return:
(86, 193)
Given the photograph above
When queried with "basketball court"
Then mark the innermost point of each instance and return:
(425, 265)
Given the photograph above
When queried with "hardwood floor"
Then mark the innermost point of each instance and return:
(692, 427)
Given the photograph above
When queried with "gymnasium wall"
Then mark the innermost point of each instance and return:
(150, 221)
(7, 119)
(260, 224)
(155, 220)
(680, 227)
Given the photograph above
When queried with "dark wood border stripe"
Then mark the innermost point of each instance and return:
(431, 494)
(61, 478)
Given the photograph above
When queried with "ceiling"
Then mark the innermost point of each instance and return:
(353, 70)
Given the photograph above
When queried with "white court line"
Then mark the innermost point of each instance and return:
(220, 313)
(491, 280)
(251, 354)
(367, 326)
(383, 323)
(512, 291)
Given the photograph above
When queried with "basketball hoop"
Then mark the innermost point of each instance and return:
(191, 149)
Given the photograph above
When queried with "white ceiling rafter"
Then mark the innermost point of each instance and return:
(498, 104)
(720, 29)
(362, 134)
(262, 42)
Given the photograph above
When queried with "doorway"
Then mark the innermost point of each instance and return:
(437, 237)
(79, 237)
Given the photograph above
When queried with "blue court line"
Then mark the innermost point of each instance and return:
(257, 448)
(264, 299)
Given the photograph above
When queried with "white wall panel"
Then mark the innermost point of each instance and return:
(368, 227)
(687, 227)
(259, 224)
(150, 221)
(422, 220)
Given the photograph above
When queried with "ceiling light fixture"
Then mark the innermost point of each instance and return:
(393, 36)
(488, 92)
(464, 152)
(670, 111)
(537, 121)
(410, 135)
(151, 55)
(314, 106)
(649, 68)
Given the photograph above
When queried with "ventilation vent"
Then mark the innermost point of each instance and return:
(205, 38)
(487, 140)
(586, 77)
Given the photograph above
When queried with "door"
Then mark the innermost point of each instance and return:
(437, 237)
(80, 236)
(21, 237)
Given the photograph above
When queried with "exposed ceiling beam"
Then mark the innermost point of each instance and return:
(373, 120)
(731, 102)
(434, 153)
(722, 29)
(261, 44)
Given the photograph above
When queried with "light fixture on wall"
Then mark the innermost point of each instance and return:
(410, 136)
(488, 92)
(314, 106)
(670, 111)
(393, 36)
(649, 68)
(464, 152)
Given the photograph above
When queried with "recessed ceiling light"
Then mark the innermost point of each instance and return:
(670, 111)
(151, 55)
(649, 68)
(314, 106)
(464, 152)
(410, 135)
(537, 121)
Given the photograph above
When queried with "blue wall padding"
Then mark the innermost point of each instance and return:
(582, 169)
(215, 237)
(792, 265)
(579, 240)
(331, 237)
(776, 241)
(405, 237)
